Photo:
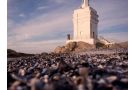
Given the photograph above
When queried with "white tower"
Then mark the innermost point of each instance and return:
(85, 21)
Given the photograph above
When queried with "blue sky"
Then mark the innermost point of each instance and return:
(41, 25)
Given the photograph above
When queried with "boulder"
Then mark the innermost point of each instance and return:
(58, 49)
(73, 47)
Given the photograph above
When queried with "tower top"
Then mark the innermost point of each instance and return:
(85, 3)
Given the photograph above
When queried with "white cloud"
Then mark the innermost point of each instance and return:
(61, 1)
(111, 13)
(36, 47)
(36, 28)
(116, 37)
(22, 15)
(108, 23)
(42, 7)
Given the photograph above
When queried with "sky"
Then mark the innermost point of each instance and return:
(36, 26)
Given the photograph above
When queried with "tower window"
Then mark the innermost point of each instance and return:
(81, 33)
(93, 35)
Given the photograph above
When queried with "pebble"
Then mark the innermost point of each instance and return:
(102, 81)
(111, 78)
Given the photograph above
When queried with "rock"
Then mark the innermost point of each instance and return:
(83, 71)
(121, 84)
(46, 78)
(100, 67)
(22, 72)
(74, 47)
(58, 49)
(124, 80)
(63, 67)
(71, 46)
(111, 78)
(82, 46)
(56, 77)
(102, 81)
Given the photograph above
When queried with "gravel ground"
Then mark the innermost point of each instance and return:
(96, 70)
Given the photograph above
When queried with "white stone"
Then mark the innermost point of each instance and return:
(111, 78)
(85, 22)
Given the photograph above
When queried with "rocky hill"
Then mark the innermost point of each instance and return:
(12, 53)
(74, 47)
(124, 44)
(82, 46)
(119, 45)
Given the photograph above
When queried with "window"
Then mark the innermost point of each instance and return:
(93, 35)
(81, 33)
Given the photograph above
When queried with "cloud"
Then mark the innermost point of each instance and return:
(36, 47)
(106, 24)
(42, 7)
(116, 37)
(22, 15)
(35, 28)
(112, 13)
(61, 1)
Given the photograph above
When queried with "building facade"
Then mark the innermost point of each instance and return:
(85, 22)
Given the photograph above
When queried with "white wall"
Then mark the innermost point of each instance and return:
(82, 19)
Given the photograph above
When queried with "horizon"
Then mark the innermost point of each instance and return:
(40, 26)
(47, 52)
